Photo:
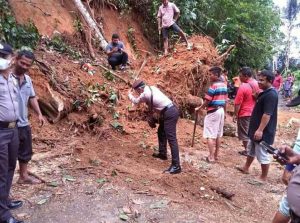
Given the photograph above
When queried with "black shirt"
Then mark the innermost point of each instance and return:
(266, 103)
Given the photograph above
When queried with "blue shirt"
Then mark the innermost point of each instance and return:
(26, 92)
(119, 45)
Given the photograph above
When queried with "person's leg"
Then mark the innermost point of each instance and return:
(25, 154)
(124, 59)
(177, 29)
(280, 218)
(264, 159)
(165, 34)
(170, 121)
(162, 140)
(218, 143)
(5, 135)
(250, 156)
(211, 143)
(282, 215)
(113, 61)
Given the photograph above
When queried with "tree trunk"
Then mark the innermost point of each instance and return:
(92, 24)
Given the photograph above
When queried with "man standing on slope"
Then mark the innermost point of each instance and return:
(23, 62)
(167, 16)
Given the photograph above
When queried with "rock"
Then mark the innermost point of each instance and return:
(229, 129)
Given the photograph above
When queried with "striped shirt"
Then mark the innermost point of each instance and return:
(216, 95)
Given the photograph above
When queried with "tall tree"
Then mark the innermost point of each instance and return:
(291, 12)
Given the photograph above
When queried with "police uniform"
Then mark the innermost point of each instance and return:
(169, 116)
(9, 140)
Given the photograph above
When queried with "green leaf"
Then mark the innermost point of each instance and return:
(53, 184)
(123, 217)
(102, 180)
(69, 178)
(42, 201)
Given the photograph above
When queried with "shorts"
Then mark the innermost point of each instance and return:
(165, 30)
(214, 124)
(243, 127)
(256, 150)
(284, 207)
(25, 148)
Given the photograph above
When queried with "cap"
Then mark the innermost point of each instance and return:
(6, 49)
(137, 84)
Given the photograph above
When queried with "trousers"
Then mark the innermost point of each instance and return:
(167, 133)
(9, 145)
(118, 59)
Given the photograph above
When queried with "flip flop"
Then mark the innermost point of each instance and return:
(241, 170)
(243, 153)
(208, 160)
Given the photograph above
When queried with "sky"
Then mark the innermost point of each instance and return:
(295, 50)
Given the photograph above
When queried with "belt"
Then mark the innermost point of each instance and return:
(166, 108)
(9, 125)
(214, 110)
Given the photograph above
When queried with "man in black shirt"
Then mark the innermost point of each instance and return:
(262, 124)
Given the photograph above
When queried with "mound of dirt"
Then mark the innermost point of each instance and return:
(185, 72)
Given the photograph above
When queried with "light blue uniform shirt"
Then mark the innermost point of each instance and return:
(26, 92)
(9, 110)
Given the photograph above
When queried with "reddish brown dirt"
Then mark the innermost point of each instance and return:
(58, 18)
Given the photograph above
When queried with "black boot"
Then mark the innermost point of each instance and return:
(173, 169)
(160, 156)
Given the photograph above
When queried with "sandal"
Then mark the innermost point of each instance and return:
(241, 170)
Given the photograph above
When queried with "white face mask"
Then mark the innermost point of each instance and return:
(4, 64)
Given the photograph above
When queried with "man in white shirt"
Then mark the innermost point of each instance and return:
(169, 115)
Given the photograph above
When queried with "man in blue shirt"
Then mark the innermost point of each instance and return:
(23, 62)
(116, 53)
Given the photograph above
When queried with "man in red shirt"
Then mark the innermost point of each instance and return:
(244, 103)
(277, 81)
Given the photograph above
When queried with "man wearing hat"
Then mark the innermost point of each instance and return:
(169, 115)
(9, 140)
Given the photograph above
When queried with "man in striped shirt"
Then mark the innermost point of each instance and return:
(215, 103)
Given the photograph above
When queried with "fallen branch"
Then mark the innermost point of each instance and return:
(113, 73)
(142, 67)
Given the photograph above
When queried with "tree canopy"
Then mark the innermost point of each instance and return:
(253, 26)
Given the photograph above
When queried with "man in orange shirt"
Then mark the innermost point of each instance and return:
(244, 103)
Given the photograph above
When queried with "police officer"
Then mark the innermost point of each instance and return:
(169, 115)
(9, 140)
(23, 62)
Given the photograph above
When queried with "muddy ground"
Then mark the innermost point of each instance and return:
(104, 180)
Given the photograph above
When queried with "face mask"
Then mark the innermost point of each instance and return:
(4, 64)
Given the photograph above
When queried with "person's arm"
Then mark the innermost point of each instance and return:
(238, 101)
(176, 12)
(292, 157)
(111, 50)
(263, 123)
(136, 100)
(35, 106)
(204, 105)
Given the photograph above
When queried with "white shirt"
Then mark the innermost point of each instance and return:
(160, 100)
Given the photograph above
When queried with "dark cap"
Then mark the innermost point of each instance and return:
(5, 49)
(137, 84)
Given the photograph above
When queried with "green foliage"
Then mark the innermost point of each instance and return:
(131, 38)
(253, 26)
(57, 43)
(15, 34)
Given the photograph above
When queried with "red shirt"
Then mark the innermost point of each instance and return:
(245, 99)
(277, 81)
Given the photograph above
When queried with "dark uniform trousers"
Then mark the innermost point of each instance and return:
(167, 133)
(9, 144)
